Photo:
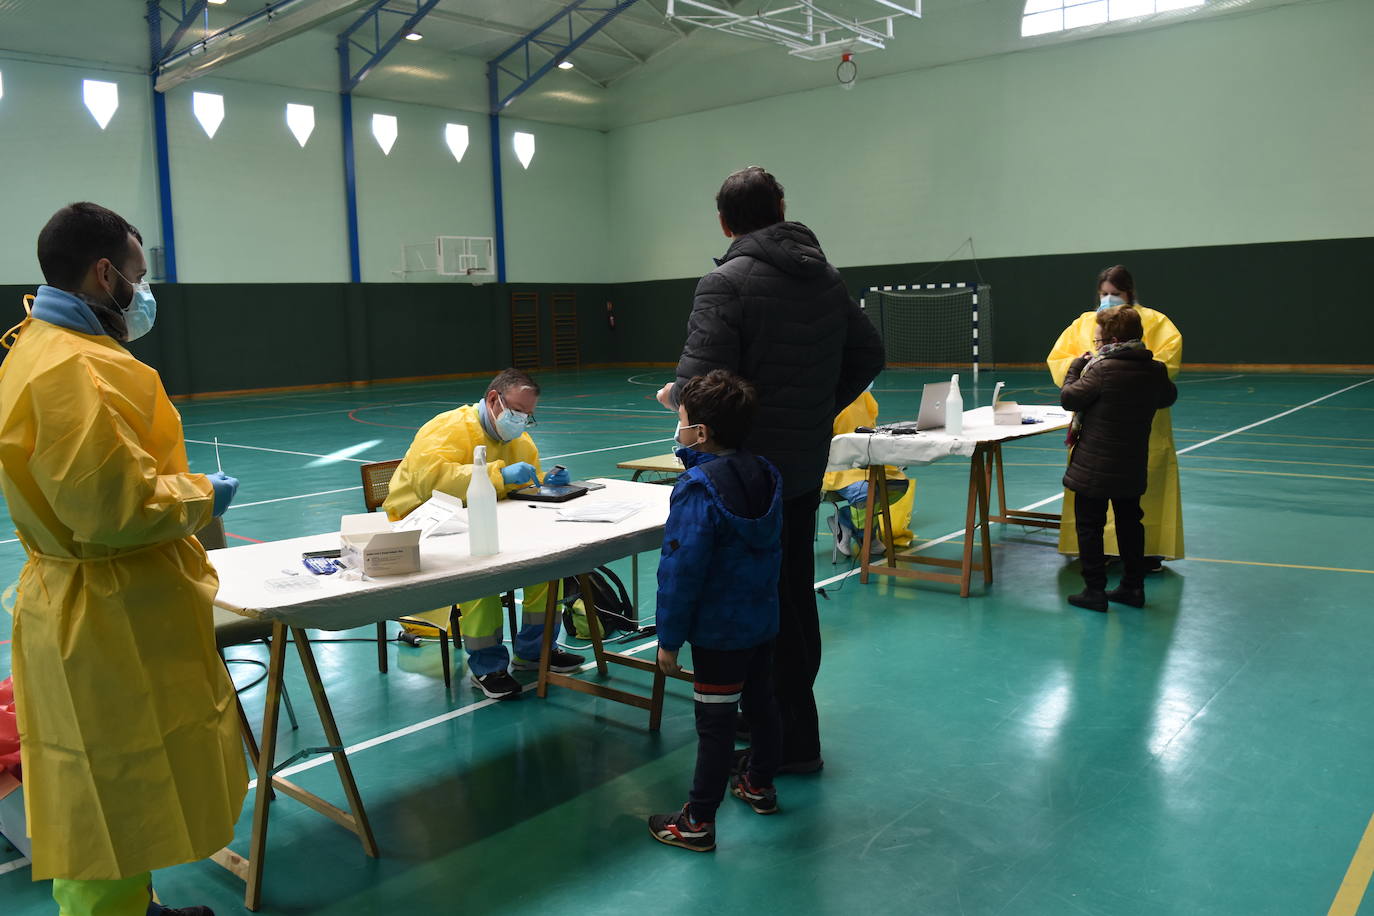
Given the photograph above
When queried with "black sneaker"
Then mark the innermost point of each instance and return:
(762, 800)
(1154, 564)
(498, 685)
(560, 662)
(1092, 599)
(740, 764)
(1135, 597)
(679, 829)
(158, 909)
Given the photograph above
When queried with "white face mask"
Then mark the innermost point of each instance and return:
(1110, 301)
(141, 312)
(511, 423)
(677, 436)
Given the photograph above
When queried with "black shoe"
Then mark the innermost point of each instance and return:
(560, 662)
(1135, 597)
(1154, 564)
(158, 909)
(1093, 599)
(764, 800)
(740, 765)
(679, 829)
(498, 685)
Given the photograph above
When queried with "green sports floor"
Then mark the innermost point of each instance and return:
(1001, 754)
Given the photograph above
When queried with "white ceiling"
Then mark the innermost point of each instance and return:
(638, 68)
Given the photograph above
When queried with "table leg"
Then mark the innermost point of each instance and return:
(546, 647)
(883, 498)
(634, 582)
(975, 487)
(985, 526)
(864, 554)
(267, 752)
(360, 824)
(584, 585)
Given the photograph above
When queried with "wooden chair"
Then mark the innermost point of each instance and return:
(376, 486)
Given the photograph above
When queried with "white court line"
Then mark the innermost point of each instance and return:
(13, 866)
(632, 378)
(312, 413)
(1060, 495)
(661, 411)
(1224, 378)
(609, 448)
(426, 724)
(279, 451)
(283, 499)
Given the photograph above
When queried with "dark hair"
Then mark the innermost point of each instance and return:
(724, 402)
(1121, 322)
(76, 237)
(512, 378)
(1119, 277)
(750, 199)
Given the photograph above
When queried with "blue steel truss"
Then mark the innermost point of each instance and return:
(369, 36)
(191, 10)
(558, 37)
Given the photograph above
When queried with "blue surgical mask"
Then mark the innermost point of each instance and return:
(141, 312)
(511, 423)
(1110, 302)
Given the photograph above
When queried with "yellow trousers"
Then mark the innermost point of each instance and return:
(125, 897)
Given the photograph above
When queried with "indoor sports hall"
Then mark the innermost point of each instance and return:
(355, 214)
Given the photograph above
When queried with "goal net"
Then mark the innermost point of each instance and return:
(934, 325)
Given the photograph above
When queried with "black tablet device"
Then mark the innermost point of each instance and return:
(548, 494)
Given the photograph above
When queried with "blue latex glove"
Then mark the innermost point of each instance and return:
(225, 488)
(522, 472)
(559, 478)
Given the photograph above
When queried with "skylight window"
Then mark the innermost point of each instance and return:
(524, 147)
(1042, 17)
(301, 120)
(209, 111)
(384, 129)
(102, 100)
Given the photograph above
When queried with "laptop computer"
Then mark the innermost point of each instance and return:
(932, 413)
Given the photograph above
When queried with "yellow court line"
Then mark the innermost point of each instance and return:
(1356, 880)
(1275, 474)
(1363, 448)
(1272, 404)
(1369, 572)
(1318, 464)
(1189, 429)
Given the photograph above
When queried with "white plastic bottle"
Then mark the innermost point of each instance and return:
(483, 539)
(954, 408)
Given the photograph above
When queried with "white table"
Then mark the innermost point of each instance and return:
(981, 441)
(535, 547)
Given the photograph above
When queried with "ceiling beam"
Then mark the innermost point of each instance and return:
(515, 31)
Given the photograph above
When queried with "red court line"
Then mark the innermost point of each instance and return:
(242, 538)
(352, 416)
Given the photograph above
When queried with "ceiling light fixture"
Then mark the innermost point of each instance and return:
(565, 65)
(413, 36)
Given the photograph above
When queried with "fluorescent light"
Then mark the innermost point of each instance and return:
(413, 36)
(384, 129)
(218, 2)
(565, 65)
(524, 147)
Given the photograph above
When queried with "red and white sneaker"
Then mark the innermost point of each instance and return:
(679, 829)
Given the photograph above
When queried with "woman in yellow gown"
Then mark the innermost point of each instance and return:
(1162, 502)
(864, 412)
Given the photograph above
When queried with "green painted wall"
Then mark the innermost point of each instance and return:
(1239, 129)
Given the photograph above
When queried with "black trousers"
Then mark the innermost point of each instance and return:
(799, 632)
(722, 678)
(1090, 518)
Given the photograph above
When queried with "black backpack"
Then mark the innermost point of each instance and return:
(614, 609)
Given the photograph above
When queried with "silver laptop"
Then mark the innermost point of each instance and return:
(932, 415)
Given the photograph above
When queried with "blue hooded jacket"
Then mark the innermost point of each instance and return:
(722, 547)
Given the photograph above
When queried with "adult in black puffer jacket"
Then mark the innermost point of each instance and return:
(777, 313)
(1114, 396)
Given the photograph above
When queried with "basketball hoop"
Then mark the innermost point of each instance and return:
(847, 71)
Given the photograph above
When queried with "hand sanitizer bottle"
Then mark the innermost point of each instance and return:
(483, 540)
(954, 408)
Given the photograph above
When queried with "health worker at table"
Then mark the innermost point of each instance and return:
(128, 730)
(1162, 502)
(441, 458)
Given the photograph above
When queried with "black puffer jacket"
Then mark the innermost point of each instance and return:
(1116, 400)
(778, 314)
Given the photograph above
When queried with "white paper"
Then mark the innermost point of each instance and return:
(599, 512)
(437, 516)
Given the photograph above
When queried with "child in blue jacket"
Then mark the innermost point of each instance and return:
(718, 590)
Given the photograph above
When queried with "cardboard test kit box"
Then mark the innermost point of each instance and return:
(368, 542)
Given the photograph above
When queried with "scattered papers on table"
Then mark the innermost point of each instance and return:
(599, 512)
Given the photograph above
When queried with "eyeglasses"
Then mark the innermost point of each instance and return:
(1099, 341)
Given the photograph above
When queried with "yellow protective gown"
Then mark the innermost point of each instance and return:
(440, 458)
(1162, 502)
(864, 412)
(130, 743)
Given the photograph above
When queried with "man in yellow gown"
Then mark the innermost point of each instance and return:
(848, 524)
(129, 735)
(1162, 502)
(440, 458)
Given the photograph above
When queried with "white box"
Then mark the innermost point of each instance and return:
(1006, 413)
(12, 823)
(368, 542)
